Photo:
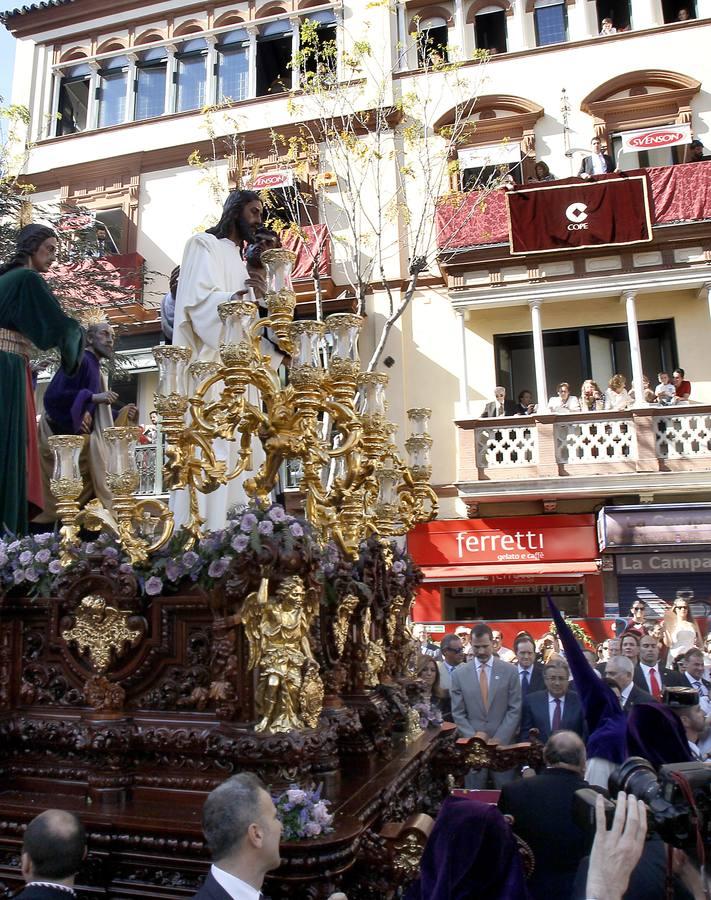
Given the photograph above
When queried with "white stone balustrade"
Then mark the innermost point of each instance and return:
(593, 441)
(510, 445)
(683, 435)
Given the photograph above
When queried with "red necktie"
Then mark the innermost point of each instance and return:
(654, 684)
(556, 715)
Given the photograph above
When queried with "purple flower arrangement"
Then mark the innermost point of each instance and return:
(430, 716)
(303, 813)
(30, 563)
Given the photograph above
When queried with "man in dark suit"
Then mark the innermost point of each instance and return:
(542, 810)
(53, 848)
(242, 831)
(500, 406)
(694, 677)
(649, 675)
(554, 709)
(621, 670)
(529, 671)
(598, 163)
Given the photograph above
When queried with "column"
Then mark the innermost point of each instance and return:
(516, 26)
(459, 29)
(252, 31)
(403, 39)
(635, 353)
(53, 121)
(646, 14)
(92, 109)
(130, 87)
(579, 25)
(169, 103)
(464, 373)
(295, 23)
(707, 288)
(539, 360)
(211, 74)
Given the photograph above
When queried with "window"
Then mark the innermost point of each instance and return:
(150, 84)
(190, 75)
(432, 40)
(274, 59)
(678, 10)
(114, 221)
(112, 92)
(618, 11)
(572, 355)
(74, 100)
(551, 19)
(319, 54)
(482, 167)
(490, 30)
(233, 66)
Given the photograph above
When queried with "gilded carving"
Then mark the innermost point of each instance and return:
(391, 621)
(374, 655)
(340, 625)
(101, 693)
(407, 857)
(100, 629)
(414, 730)
(277, 629)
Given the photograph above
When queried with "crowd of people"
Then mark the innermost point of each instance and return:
(674, 391)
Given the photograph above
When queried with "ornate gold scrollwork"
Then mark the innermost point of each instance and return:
(374, 654)
(407, 856)
(101, 630)
(340, 625)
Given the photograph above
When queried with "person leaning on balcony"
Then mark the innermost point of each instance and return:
(591, 397)
(682, 387)
(607, 27)
(500, 406)
(525, 405)
(598, 163)
(664, 391)
(649, 395)
(564, 401)
(616, 395)
(542, 173)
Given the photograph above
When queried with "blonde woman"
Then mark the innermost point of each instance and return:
(616, 396)
(681, 632)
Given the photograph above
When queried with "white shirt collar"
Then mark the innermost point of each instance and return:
(552, 699)
(235, 887)
(524, 669)
(627, 691)
(646, 668)
(486, 665)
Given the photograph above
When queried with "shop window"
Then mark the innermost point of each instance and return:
(490, 30)
(319, 53)
(432, 40)
(233, 66)
(616, 10)
(74, 100)
(660, 156)
(573, 355)
(274, 52)
(112, 92)
(497, 603)
(551, 19)
(190, 75)
(678, 10)
(150, 84)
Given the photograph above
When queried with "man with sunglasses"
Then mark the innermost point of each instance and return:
(452, 651)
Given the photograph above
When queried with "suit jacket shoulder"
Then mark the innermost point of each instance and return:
(211, 890)
(41, 892)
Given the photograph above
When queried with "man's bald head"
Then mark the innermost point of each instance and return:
(53, 847)
(565, 750)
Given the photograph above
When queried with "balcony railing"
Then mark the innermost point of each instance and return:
(678, 194)
(149, 462)
(641, 440)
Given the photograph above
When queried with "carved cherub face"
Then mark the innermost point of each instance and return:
(291, 591)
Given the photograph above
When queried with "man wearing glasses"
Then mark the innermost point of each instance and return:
(452, 656)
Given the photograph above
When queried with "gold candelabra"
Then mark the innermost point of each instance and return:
(331, 417)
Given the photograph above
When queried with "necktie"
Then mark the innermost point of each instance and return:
(556, 716)
(654, 684)
(699, 687)
(500, 410)
(484, 687)
(525, 683)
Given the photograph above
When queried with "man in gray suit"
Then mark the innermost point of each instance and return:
(486, 699)
(452, 651)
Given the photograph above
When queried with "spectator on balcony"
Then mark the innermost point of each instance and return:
(607, 27)
(500, 406)
(151, 430)
(616, 395)
(564, 401)
(682, 387)
(542, 173)
(649, 395)
(167, 306)
(525, 405)
(591, 397)
(664, 391)
(598, 163)
(683, 15)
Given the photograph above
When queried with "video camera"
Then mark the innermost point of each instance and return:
(670, 798)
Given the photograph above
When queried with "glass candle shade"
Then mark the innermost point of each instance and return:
(66, 449)
(419, 420)
(122, 450)
(418, 451)
(172, 363)
(199, 372)
(306, 340)
(279, 264)
(372, 393)
(387, 486)
(238, 317)
(345, 330)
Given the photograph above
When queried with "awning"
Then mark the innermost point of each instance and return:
(474, 573)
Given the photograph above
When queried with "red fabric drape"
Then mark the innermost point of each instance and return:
(316, 240)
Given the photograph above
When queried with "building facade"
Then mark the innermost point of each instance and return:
(117, 100)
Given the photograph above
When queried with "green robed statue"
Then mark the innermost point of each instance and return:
(29, 314)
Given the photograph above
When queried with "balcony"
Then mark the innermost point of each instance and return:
(647, 450)
(679, 194)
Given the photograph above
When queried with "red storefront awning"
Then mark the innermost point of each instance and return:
(566, 570)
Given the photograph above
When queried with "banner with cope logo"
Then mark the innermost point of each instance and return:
(609, 210)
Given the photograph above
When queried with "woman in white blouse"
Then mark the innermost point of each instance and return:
(616, 396)
(564, 402)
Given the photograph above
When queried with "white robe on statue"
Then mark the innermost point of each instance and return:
(210, 273)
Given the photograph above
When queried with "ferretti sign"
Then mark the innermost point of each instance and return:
(663, 563)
